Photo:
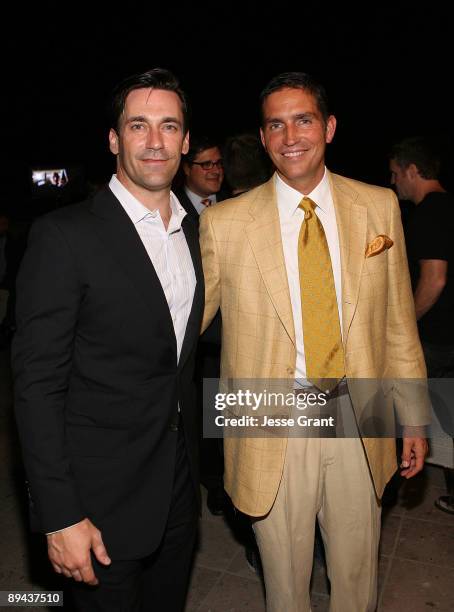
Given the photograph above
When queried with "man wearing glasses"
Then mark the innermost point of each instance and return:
(203, 176)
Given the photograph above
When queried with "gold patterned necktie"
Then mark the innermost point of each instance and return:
(321, 328)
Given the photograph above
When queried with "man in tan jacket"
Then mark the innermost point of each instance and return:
(254, 250)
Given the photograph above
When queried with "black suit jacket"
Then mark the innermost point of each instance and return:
(187, 204)
(97, 384)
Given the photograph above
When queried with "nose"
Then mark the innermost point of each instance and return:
(290, 136)
(154, 139)
(214, 172)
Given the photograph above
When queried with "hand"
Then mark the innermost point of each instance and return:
(413, 455)
(69, 551)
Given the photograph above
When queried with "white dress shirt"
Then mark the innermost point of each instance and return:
(291, 218)
(168, 251)
(196, 200)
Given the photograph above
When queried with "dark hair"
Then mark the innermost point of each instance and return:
(156, 78)
(197, 144)
(246, 164)
(425, 153)
(298, 80)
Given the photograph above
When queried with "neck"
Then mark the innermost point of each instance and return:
(307, 184)
(426, 186)
(198, 193)
(153, 200)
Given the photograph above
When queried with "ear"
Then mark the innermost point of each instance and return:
(330, 128)
(113, 141)
(185, 146)
(262, 138)
(412, 171)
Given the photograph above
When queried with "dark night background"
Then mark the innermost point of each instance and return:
(387, 69)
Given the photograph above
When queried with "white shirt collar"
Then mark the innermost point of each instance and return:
(196, 199)
(289, 198)
(137, 212)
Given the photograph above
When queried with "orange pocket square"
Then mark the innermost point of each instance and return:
(378, 244)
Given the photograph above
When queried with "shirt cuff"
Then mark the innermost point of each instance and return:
(60, 530)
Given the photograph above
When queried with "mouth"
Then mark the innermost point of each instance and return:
(294, 154)
(154, 160)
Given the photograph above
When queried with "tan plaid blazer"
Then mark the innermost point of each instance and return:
(245, 276)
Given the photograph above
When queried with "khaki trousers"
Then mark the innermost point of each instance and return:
(326, 479)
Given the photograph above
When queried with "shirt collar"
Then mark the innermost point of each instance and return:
(136, 211)
(289, 198)
(178, 214)
(196, 199)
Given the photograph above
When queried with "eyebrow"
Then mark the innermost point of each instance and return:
(307, 115)
(144, 119)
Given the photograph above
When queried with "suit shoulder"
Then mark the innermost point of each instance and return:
(70, 224)
(366, 190)
(67, 216)
(378, 200)
(236, 207)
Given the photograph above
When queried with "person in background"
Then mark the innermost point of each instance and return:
(415, 165)
(203, 172)
(246, 164)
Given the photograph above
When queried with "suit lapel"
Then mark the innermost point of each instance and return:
(120, 237)
(195, 317)
(187, 205)
(122, 240)
(264, 235)
(351, 218)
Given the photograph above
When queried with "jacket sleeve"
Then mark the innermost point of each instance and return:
(48, 299)
(406, 370)
(211, 272)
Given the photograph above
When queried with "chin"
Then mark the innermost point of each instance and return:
(295, 176)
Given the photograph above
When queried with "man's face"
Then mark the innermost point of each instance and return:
(401, 178)
(295, 136)
(200, 181)
(150, 140)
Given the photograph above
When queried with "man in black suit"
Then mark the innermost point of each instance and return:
(109, 306)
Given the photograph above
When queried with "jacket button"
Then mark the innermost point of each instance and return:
(173, 426)
(290, 371)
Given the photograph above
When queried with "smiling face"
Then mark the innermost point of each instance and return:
(295, 136)
(204, 182)
(150, 141)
